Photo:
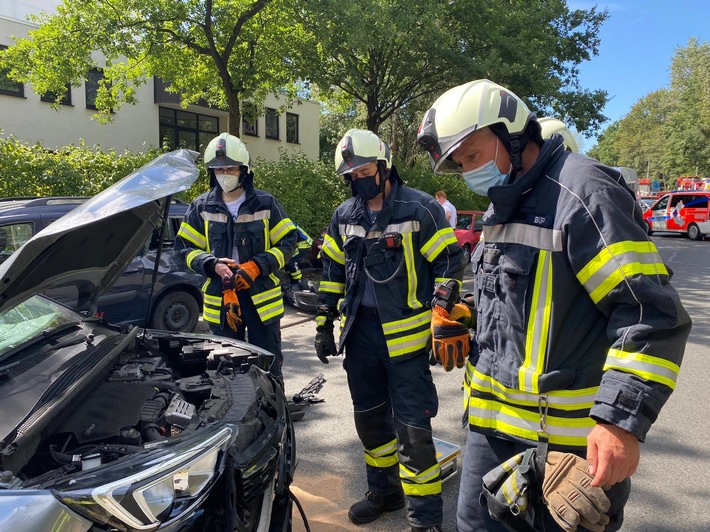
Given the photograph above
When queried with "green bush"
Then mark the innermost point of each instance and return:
(309, 191)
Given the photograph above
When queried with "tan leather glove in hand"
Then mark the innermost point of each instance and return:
(568, 493)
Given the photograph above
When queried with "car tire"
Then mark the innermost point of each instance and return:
(466, 253)
(694, 232)
(176, 311)
(649, 231)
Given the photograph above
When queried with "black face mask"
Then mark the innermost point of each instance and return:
(366, 187)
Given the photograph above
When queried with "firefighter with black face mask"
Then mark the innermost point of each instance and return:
(238, 237)
(579, 334)
(385, 250)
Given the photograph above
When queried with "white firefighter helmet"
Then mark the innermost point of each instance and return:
(357, 148)
(467, 108)
(551, 126)
(226, 150)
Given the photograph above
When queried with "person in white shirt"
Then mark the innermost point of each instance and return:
(449, 208)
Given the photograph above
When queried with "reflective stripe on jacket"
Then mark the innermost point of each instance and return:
(574, 305)
(262, 232)
(405, 276)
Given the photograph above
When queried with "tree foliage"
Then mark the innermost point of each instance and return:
(387, 54)
(216, 51)
(666, 133)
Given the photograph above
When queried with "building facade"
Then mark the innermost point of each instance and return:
(156, 120)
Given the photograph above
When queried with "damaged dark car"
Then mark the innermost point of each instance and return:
(110, 428)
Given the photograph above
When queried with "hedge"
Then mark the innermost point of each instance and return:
(309, 191)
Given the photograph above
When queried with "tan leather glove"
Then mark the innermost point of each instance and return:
(568, 493)
(234, 311)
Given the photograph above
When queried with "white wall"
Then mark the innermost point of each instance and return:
(135, 127)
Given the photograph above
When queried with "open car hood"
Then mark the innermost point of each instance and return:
(92, 245)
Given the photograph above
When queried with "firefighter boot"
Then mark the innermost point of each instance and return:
(436, 528)
(374, 505)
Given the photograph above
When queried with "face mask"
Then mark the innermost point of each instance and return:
(480, 179)
(228, 182)
(366, 187)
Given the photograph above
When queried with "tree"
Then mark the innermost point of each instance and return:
(218, 51)
(687, 129)
(387, 54)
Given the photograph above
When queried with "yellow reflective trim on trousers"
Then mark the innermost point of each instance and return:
(406, 324)
(568, 400)
(330, 286)
(437, 243)
(331, 249)
(411, 272)
(408, 344)
(420, 478)
(190, 234)
(266, 295)
(192, 255)
(421, 490)
(645, 366)
(382, 456)
(280, 259)
(525, 424)
(538, 325)
(296, 276)
(280, 230)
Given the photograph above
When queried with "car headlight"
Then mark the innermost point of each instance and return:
(153, 489)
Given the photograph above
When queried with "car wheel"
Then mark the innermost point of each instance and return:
(466, 253)
(176, 311)
(649, 231)
(694, 232)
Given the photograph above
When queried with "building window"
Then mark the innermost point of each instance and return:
(292, 128)
(181, 129)
(250, 120)
(51, 97)
(271, 119)
(8, 86)
(94, 76)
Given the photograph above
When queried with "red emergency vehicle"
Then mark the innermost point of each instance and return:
(681, 211)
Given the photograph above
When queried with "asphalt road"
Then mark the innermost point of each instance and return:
(670, 490)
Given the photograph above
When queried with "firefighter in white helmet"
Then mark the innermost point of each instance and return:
(238, 237)
(578, 333)
(383, 252)
(550, 126)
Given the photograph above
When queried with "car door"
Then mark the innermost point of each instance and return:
(659, 214)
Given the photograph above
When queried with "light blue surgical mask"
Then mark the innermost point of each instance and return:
(480, 179)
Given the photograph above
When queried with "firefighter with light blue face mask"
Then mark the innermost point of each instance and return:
(578, 334)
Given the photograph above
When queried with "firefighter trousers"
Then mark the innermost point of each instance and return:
(265, 336)
(394, 402)
(484, 453)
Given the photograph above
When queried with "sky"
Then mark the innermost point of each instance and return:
(638, 42)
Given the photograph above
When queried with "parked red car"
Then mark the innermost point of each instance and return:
(469, 225)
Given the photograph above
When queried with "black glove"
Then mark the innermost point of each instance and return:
(325, 341)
